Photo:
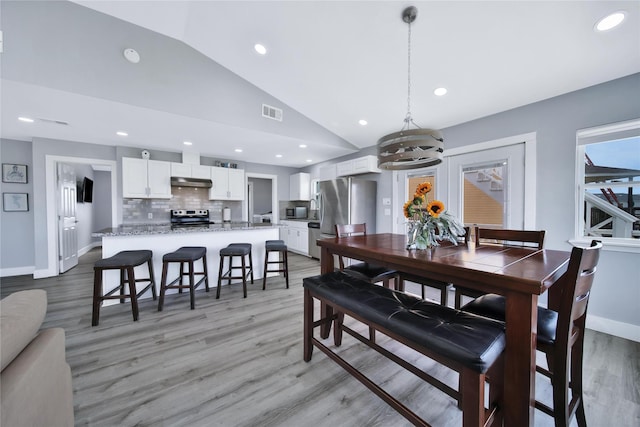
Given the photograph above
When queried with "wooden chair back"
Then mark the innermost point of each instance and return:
(533, 238)
(345, 230)
(575, 292)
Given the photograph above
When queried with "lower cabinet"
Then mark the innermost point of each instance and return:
(296, 236)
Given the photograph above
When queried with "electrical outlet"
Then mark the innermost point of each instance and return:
(150, 215)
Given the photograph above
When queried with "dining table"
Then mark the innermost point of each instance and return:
(521, 274)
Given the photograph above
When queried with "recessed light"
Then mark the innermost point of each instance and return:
(120, 133)
(440, 91)
(362, 122)
(187, 143)
(610, 21)
(309, 160)
(278, 155)
(238, 150)
(25, 119)
(260, 49)
(302, 145)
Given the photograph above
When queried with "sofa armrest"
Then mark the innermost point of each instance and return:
(21, 315)
(36, 387)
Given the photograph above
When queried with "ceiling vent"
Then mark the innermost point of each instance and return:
(271, 112)
(56, 122)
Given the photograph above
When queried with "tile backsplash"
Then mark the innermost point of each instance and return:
(136, 211)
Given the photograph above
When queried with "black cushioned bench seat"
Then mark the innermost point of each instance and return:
(472, 340)
(467, 343)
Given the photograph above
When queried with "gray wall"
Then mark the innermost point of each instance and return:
(84, 211)
(16, 228)
(101, 201)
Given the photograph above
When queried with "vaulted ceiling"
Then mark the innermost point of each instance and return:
(328, 65)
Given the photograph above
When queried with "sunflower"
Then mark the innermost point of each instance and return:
(435, 208)
(407, 209)
(423, 188)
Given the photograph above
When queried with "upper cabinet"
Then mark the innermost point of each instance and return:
(227, 184)
(146, 179)
(186, 170)
(300, 186)
(366, 164)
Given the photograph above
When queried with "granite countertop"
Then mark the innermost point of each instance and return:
(166, 228)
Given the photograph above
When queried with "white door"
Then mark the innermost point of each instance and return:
(67, 220)
(487, 188)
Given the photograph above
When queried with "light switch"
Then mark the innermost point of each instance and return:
(386, 201)
(387, 211)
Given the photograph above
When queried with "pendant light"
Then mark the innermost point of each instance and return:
(410, 148)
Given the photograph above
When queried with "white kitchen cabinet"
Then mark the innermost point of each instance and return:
(327, 172)
(227, 184)
(296, 236)
(182, 170)
(201, 171)
(299, 186)
(146, 179)
(186, 170)
(366, 164)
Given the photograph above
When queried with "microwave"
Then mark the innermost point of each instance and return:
(299, 212)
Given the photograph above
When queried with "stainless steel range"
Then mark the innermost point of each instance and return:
(186, 218)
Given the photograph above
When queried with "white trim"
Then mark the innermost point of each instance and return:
(275, 214)
(17, 271)
(619, 244)
(609, 244)
(50, 189)
(606, 129)
(613, 327)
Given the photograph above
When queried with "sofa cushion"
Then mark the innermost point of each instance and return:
(21, 315)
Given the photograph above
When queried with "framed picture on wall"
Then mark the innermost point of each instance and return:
(14, 173)
(15, 202)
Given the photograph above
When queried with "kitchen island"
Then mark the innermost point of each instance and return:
(163, 238)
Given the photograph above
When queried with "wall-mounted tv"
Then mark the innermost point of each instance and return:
(87, 187)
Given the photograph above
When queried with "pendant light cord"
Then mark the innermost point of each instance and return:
(408, 119)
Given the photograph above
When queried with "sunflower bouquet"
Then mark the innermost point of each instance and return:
(429, 223)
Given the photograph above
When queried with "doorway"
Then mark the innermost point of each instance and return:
(262, 197)
(51, 190)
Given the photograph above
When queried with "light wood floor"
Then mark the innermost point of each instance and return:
(238, 362)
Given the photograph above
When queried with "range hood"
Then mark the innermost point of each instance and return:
(177, 181)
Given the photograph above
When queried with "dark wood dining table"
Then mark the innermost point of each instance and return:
(521, 274)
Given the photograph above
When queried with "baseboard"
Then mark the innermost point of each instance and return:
(612, 327)
(16, 271)
(87, 248)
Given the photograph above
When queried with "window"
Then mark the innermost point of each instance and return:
(608, 178)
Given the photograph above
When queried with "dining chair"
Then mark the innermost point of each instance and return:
(363, 270)
(560, 334)
(433, 283)
(530, 238)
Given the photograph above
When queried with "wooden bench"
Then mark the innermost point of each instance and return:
(471, 345)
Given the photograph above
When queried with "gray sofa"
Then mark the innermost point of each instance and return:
(35, 378)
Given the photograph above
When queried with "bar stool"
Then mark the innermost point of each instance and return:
(233, 250)
(125, 261)
(283, 264)
(184, 255)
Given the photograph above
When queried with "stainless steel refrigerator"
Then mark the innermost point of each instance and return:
(347, 201)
